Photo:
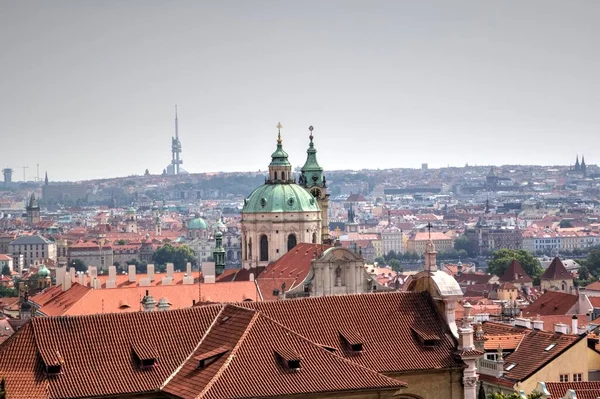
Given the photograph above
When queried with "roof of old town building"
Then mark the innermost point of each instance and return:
(515, 273)
(552, 303)
(583, 389)
(533, 349)
(298, 346)
(556, 271)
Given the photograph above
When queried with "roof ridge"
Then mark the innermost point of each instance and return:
(231, 355)
(174, 373)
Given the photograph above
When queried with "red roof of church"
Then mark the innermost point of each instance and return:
(556, 271)
(516, 274)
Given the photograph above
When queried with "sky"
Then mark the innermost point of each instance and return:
(88, 88)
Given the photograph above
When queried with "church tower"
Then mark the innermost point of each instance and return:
(313, 179)
(219, 254)
(131, 221)
(33, 211)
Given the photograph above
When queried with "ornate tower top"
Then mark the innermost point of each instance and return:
(312, 172)
(280, 169)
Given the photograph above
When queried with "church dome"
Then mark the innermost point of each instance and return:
(280, 198)
(131, 211)
(43, 272)
(197, 224)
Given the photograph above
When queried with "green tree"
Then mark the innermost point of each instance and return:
(79, 265)
(395, 265)
(179, 256)
(8, 292)
(498, 395)
(6, 270)
(380, 261)
(120, 242)
(502, 258)
(465, 244)
(564, 224)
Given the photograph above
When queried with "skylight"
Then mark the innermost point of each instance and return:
(549, 347)
(510, 366)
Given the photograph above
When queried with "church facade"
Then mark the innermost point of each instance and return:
(281, 213)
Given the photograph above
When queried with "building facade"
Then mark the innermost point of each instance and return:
(34, 249)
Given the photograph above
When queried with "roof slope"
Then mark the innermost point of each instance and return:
(249, 345)
(584, 389)
(515, 274)
(551, 303)
(383, 320)
(556, 271)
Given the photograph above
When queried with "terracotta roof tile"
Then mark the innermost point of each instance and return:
(551, 303)
(556, 271)
(584, 389)
(515, 273)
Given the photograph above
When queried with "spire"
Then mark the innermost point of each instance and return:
(46, 179)
(279, 157)
(430, 253)
(577, 162)
(312, 172)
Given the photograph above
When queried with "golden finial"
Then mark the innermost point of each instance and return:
(279, 132)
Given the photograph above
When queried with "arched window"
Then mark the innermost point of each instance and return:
(564, 286)
(275, 175)
(264, 248)
(282, 175)
(314, 240)
(291, 242)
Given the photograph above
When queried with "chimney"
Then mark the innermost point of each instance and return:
(92, 272)
(82, 280)
(66, 283)
(95, 283)
(60, 276)
(150, 272)
(574, 322)
(132, 273)
(538, 325)
(208, 271)
(73, 274)
(561, 328)
(148, 303)
(163, 305)
(112, 277)
(522, 322)
(188, 268)
(251, 277)
(170, 270)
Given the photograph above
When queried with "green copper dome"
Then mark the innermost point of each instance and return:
(131, 211)
(43, 272)
(197, 224)
(280, 198)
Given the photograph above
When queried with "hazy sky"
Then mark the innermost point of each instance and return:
(88, 88)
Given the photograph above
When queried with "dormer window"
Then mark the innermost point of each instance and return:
(288, 358)
(428, 340)
(146, 356)
(207, 358)
(352, 340)
(52, 360)
(510, 366)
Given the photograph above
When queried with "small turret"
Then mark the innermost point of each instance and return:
(219, 254)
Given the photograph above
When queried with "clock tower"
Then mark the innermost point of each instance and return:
(313, 180)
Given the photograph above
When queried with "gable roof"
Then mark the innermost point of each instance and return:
(33, 239)
(583, 389)
(530, 354)
(233, 344)
(515, 273)
(551, 303)
(369, 315)
(556, 271)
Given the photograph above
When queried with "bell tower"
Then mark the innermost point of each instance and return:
(313, 180)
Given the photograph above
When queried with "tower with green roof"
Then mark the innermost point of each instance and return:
(313, 180)
(279, 214)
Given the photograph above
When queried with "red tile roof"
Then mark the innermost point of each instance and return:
(551, 303)
(369, 315)
(515, 273)
(556, 271)
(100, 356)
(584, 390)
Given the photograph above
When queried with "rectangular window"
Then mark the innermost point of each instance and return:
(564, 378)
(577, 377)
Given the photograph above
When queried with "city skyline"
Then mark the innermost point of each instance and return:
(91, 88)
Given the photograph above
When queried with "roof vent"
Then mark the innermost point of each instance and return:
(288, 358)
(207, 358)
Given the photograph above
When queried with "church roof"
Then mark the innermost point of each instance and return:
(556, 271)
(198, 224)
(515, 273)
(271, 198)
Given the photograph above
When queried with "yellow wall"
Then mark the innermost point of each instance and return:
(593, 360)
(432, 384)
(505, 295)
(570, 362)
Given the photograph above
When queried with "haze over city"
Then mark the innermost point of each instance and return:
(89, 88)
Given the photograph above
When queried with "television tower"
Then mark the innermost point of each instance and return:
(176, 147)
(7, 176)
